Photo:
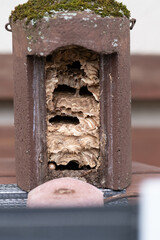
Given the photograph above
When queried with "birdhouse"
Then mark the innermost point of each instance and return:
(72, 98)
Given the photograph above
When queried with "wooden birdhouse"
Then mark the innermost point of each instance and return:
(72, 98)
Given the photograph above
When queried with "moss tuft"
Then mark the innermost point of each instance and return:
(36, 9)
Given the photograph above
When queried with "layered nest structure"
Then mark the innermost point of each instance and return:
(72, 101)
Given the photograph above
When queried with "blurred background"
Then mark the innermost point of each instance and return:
(145, 78)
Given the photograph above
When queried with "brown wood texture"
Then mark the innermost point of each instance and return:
(146, 145)
(7, 167)
(138, 179)
(142, 168)
(145, 77)
(7, 180)
(6, 142)
(140, 173)
(6, 77)
(7, 161)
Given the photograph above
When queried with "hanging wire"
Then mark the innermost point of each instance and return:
(121, 196)
(132, 23)
(8, 27)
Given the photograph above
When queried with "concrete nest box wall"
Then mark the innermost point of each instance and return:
(72, 83)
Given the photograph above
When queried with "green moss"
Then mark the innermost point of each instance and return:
(36, 9)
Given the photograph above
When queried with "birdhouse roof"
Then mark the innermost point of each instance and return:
(37, 9)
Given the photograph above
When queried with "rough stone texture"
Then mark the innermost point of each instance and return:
(109, 38)
(72, 100)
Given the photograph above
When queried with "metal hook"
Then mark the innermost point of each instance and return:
(132, 22)
(8, 27)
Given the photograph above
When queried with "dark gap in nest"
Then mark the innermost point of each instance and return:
(64, 120)
(75, 67)
(72, 165)
(84, 91)
(49, 58)
(65, 89)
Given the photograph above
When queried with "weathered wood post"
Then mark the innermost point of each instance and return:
(72, 97)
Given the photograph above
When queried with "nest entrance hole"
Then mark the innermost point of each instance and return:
(74, 66)
(65, 89)
(49, 58)
(85, 92)
(64, 120)
(72, 165)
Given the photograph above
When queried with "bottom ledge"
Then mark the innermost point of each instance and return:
(11, 196)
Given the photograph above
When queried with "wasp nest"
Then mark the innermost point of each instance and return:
(72, 101)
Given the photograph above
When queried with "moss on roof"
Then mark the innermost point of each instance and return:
(36, 9)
